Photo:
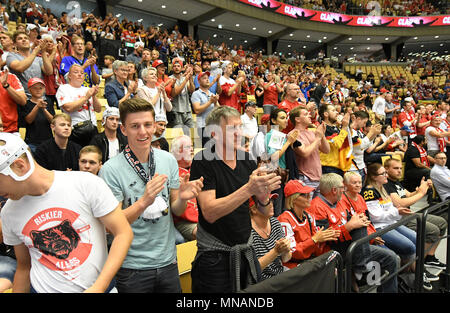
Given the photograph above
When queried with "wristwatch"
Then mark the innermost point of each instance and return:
(6, 86)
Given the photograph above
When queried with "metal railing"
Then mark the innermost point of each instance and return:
(421, 217)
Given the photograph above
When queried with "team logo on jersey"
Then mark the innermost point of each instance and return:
(333, 218)
(56, 234)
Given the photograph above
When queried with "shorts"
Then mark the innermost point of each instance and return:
(186, 228)
(7, 267)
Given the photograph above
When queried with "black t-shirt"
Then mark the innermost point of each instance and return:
(39, 130)
(395, 187)
(370, 194)
(235, 227)
(411, 153)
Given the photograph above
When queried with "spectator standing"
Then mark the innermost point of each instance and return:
(230, 179)
(154, 93)
(91, 74)
(150, 265)
(271, 90)
(182, 88)
(136, 56)
(25, 63)
(89, 207)
(312, 142)
(436, 136)
(119, 89)
(203, 102)
(231, 89)
(417, 163)
(13, 94)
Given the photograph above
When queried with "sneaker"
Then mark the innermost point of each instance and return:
(426, 283)
(432, 261)
(430, 276)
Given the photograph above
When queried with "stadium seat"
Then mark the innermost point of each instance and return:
(185, 255)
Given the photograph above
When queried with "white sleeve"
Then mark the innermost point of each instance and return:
(101, 199)
(382, 214)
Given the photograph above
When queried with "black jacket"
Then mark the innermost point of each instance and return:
(51, 157)
(102, 142)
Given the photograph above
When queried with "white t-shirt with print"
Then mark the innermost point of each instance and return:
(65, 238)
(67, 93)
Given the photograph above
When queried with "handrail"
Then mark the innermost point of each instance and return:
(421, 217)
(353, 245)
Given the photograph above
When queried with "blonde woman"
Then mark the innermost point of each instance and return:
(306, 240)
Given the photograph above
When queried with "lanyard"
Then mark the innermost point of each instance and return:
(137, 166)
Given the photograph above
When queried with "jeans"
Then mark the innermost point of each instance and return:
(388, 261)
(211, 273)
(161, 280)
(268, 108)
(7, 267)
(402, 241)
(330, 169)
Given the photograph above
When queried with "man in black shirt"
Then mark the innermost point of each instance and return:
(59, 153)
(435, 225)
(417, 163)
(230, 179)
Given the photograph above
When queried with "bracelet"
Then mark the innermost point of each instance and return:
(6, 86)
(262, 204)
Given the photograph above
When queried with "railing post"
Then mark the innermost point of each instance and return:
(446, 273)
(420, 248)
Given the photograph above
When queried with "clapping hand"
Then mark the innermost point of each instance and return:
(189, 189)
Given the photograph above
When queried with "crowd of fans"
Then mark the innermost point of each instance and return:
(307, 176)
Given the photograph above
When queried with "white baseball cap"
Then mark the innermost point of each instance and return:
(110, 111)
(11, 148)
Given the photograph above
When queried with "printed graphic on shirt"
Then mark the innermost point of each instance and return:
(60, 237)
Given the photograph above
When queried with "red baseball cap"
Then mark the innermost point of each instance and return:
(157, 63)
(265, 118)
(34, 81)
(251, 202)
(201, 74)
(177, 60)
(296, 186)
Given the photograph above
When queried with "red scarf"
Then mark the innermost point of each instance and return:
(423, 154)
(441, 141)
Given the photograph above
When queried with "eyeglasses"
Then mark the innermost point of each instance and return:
(441, 158)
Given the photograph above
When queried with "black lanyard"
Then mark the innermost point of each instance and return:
(137, 166)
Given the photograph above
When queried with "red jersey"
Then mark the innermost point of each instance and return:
(191, 212)
(288, 105)
(271, 95)
(299, 233)
(233, 101)
(8, 107)
(407, 117)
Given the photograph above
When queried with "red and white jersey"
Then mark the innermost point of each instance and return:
(299, 233)
(407, 118)
(226, 84)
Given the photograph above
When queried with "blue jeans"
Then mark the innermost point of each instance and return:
(402, 241)
(160, 280)
(7, 267)
(389, 261)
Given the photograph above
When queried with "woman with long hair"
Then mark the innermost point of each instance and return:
(383, 213)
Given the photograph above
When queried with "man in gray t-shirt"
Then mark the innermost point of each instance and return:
(181, 114)
(25, 63)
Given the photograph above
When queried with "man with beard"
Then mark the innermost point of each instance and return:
(25, 63)
(338, 159)
(91, 72)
